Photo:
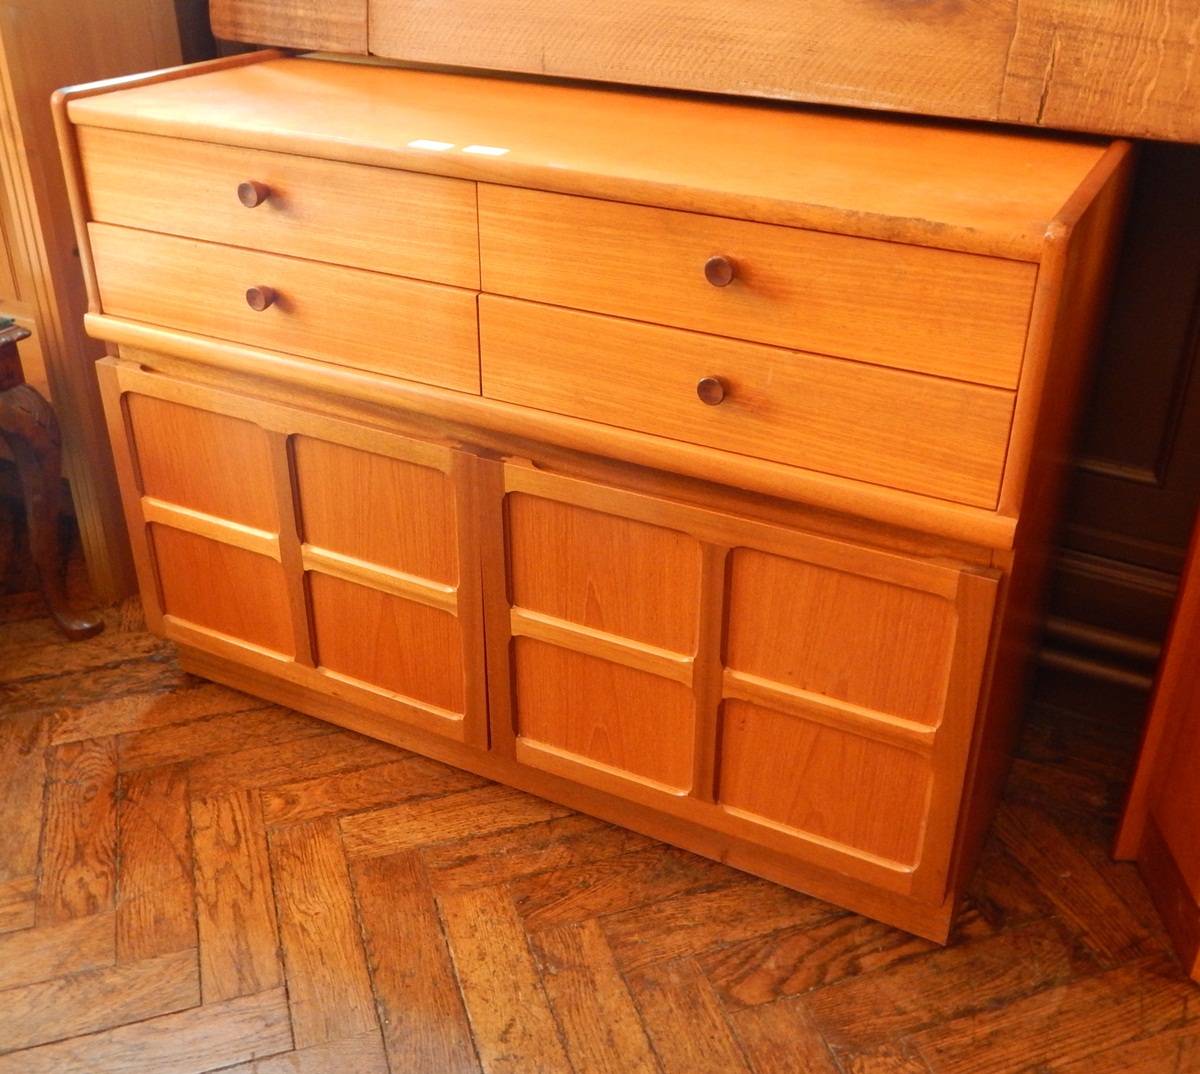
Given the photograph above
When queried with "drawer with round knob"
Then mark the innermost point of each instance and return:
(388, 220)
(929, 310)
(904, 430)
(383, 324)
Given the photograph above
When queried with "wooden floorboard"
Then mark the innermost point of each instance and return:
(192, 881)
(421, 1011)
(156, 902)
(235, 906)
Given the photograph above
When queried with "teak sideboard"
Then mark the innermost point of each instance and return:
(687, 461)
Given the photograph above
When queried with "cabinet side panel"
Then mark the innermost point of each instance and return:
(109, 373)
(1073, 288)
(1175, 897)
(1178, 807)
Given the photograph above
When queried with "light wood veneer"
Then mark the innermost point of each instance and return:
(931, 311)
(479, 509)
(929, 435)
(399, 222)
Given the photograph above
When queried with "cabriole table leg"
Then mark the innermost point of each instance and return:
(30, 429)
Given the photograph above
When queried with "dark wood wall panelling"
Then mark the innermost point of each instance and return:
(1137, 482)
(195, 35)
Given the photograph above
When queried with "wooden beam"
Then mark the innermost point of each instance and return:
(1069, 64)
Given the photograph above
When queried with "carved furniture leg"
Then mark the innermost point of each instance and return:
(30, 429)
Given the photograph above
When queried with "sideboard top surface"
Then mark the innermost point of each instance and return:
(956, 186)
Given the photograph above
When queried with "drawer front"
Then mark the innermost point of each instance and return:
(422, 226)
(932, 311)
(904, 430)
(366, 320)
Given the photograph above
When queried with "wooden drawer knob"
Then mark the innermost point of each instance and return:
(719, 271)
(251, 193)
(259, 298)
(711, 390)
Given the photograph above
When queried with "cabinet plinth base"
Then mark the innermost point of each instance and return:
(931, 922)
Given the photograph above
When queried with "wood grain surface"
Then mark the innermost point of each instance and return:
(329, 989)
(201, 287)
(239, 952)
(156, 904)
(888, 303)
(391, 221)
(1055, 63)
(804, 167)
(336, 25)
(463, 900)
(928, 435)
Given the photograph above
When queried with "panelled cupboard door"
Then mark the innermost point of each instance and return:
(214, 543)
(814, 695)
(342, 557)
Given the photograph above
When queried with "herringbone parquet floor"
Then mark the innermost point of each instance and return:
(192, 880)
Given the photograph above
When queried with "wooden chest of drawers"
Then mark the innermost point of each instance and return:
(689, 462)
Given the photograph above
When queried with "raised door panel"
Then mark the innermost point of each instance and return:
(211, 523)
(395, 513)
(797, 774)
(830, 631)
(187, 457)
(605, 613)
(851, 684)
(400, 646)
(224, 589)
(604, 714)
(388, 552)
(604, 572)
